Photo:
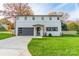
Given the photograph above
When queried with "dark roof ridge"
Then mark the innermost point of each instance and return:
(39, 15)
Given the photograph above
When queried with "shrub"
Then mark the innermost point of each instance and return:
(78, 31)
(2, 28)
(50, 35)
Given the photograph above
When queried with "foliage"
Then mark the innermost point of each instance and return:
(50, 35)
(9, 24)
(72, 26)
(2, 28)
(78, 31)
(14, 9)
(64, 27)
(64, 14)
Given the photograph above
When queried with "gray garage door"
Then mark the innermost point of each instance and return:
(25, 31)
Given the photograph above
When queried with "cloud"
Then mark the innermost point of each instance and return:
(74, 14)
(60, 6)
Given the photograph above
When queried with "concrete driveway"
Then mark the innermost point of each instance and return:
(15, 46)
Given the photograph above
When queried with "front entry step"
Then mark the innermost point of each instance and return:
(37, 36)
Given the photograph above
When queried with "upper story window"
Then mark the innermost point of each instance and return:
(57, 18)
(33, 18)
(25, 18)
(17, 18)
(42, 18)
(50, 18)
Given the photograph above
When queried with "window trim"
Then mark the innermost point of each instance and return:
(50, 18)
(51, 28)
(48, 28)
(42, 18)
(57, 18)
(25, 17)
(33, 18)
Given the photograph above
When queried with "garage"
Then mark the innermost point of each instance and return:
(25, 31)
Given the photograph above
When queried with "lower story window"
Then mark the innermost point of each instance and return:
(48, 28)
(52, 28)
(19, 31)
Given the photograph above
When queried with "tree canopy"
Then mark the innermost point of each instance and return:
(65, 15)
(14, 9)
(72, 25)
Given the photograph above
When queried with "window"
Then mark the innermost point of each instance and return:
(48, 28)
(17, 18)
(19, 31)
(50, 18)
(25, 18)
(20, 28)
(52, 28)
(33, 18)
(42, 18)
(57, 18)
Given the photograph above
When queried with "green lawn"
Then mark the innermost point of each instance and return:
(5, 35)
(54, 46)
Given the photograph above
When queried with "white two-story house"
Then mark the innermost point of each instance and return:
(38, 25)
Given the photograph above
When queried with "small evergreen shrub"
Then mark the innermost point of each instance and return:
(78, 31)
(50, 35)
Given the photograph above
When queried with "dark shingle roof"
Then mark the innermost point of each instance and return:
(42, 15)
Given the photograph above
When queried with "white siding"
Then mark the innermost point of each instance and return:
(29, 22)
(38, 20)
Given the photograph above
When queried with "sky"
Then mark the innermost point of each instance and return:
(44, 8)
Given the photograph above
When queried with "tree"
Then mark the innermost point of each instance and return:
(64, 26)
(9, 24)
(14, 9)
(52, 12)
(2, 28)
(72, 25)
(78, 26)
(65, 15)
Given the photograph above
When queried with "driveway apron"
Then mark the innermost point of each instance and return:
(15, 46)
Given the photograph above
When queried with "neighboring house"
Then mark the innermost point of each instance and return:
(38, 25)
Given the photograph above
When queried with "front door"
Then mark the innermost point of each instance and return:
(38, 31)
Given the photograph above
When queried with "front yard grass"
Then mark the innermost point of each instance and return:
(54, 46)
(5, 35)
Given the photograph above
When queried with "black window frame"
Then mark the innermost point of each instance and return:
(42, 18)
(54, 28)
(57, 18)
(50, 18)
(19, 31)
(25, 17)
(48, 28)
(17, 18)
(51, 28)
(33, 18)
